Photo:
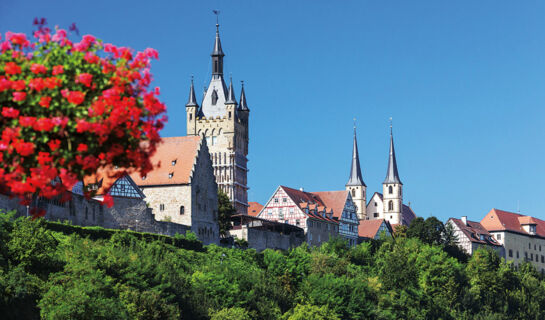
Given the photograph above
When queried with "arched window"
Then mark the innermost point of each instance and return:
(391, 205)
(390, 190)
(353, 192)
(182, 210)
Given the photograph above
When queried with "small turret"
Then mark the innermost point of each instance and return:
(191, 108)
(231, 95)
(243, 106)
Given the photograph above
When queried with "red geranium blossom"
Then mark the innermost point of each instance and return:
(85, 79)
(10, 112)
(37, 68)
(45, 101)
(58, 70)
(82, 147)
(19, 96)
(12, 68)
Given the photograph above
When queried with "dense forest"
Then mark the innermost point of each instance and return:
(57, 271)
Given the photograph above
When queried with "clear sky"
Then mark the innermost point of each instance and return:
(463, 80)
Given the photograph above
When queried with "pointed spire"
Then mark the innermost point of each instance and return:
(243, 105)
(231, 95)
(217, 43)
(192, 101)
(392, 176)
(355, 170)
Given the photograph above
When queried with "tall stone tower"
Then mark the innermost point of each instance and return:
(224, 124)
(355, 184)
(392, 188)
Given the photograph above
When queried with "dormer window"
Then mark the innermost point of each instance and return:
(482, 237)
(170, 175)
(174, 162)
(532, 228)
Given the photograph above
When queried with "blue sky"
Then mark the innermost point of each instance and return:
(463, 80)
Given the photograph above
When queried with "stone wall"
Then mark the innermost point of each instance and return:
(126, 213)
(260, 239)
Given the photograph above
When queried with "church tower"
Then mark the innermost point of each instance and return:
(355, 184)
(224, 124)
(392, 188)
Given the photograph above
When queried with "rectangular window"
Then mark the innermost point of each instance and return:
(510, 253)
(161, 207)
(517, 254)
(284, 199)
(275, 200)
(531, 256)
(542, 259)
(270, 211)
(297, 222)
(498, 236)
(291, 210)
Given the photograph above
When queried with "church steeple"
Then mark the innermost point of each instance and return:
(217, 56)
(355, 178)
(392, 176)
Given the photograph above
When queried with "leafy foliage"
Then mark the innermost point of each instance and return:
(225, 211)
(70, 273)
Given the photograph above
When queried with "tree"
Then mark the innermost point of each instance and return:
(235, 313)
(310, 312)
(225, 212)
(69, 109)
(429, 231)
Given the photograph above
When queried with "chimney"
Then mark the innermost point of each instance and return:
(464, 220)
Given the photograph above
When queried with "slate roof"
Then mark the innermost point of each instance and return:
(355, 178)
(173, 162)
(473, 231)
(392, 176)
(499, 220)
(254, 208)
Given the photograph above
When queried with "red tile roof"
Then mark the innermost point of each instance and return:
(302, 199)
(334, 200)
(497, 220)
(254, 208)
(473, 231)
(369, 228)
(172, 162)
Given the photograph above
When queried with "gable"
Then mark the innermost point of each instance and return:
(126, 188)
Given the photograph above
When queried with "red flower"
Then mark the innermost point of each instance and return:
(18, 39)
(58, 70)
(151, 53)
(44, 158)
(91, 57)
(75, 97)
(5, 84)
(12, 68)
(54, 144)
(24, 148)
(45, 101)
(10, 112)
(43, 124)
(18, 85)
(19, 96)
(108, 200)
(85, 79)
(52, 83)
(37, 84)
(82, 147)
(37, 68)
(26, 121)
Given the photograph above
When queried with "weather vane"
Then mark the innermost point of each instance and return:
(217, 13)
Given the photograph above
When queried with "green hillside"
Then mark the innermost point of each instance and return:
(58, 271)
